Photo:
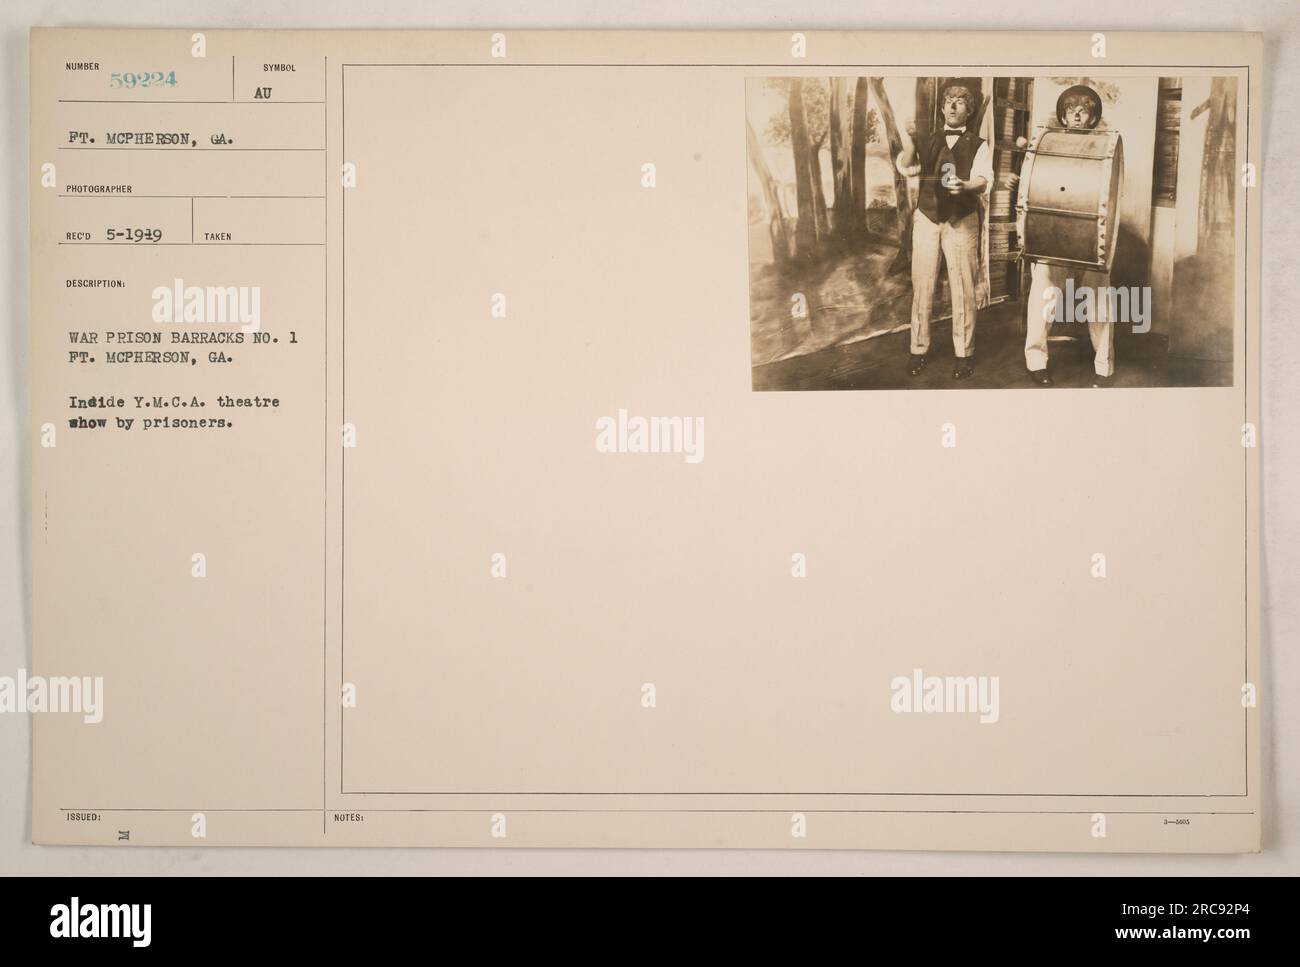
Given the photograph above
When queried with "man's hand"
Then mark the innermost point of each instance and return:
(1013, 179)
(911, 130)
(957, 185)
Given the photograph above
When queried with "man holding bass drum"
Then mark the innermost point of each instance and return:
(1068, 211)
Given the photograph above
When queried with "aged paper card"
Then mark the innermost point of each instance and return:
(839, 440)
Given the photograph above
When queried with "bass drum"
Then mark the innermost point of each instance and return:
(1070, 196)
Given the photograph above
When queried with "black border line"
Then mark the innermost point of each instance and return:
(325, 514)
(1245, 269)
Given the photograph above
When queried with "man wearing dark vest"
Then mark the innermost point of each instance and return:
(955, 169)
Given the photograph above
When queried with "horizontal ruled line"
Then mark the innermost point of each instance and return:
(213, 244)
(73, 147)
(995, 812)
(128, 194)
(799, 793)
(75, 100)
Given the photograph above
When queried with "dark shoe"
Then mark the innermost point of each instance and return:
(964, 369)
(918, 364)
(1040, 377)
(1101, 382)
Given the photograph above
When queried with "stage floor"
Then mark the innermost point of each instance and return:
(883, 361)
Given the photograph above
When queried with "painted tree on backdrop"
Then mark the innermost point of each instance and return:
(821, 113)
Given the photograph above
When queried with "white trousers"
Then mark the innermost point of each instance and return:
(958, 241)
(1046, 306)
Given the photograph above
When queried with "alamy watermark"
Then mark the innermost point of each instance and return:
(211, 304)
(115, 921)
(1085, 303)
(949, 693)
(36, 693)
(651, 434)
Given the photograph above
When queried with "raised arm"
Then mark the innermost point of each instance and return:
(907, 162)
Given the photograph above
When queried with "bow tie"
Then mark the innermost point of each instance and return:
(954, 130)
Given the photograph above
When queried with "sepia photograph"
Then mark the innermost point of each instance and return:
(992, 232)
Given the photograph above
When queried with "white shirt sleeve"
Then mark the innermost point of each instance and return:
(908, 171)
(982, 166)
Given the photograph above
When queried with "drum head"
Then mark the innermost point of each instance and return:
(1073, 198)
